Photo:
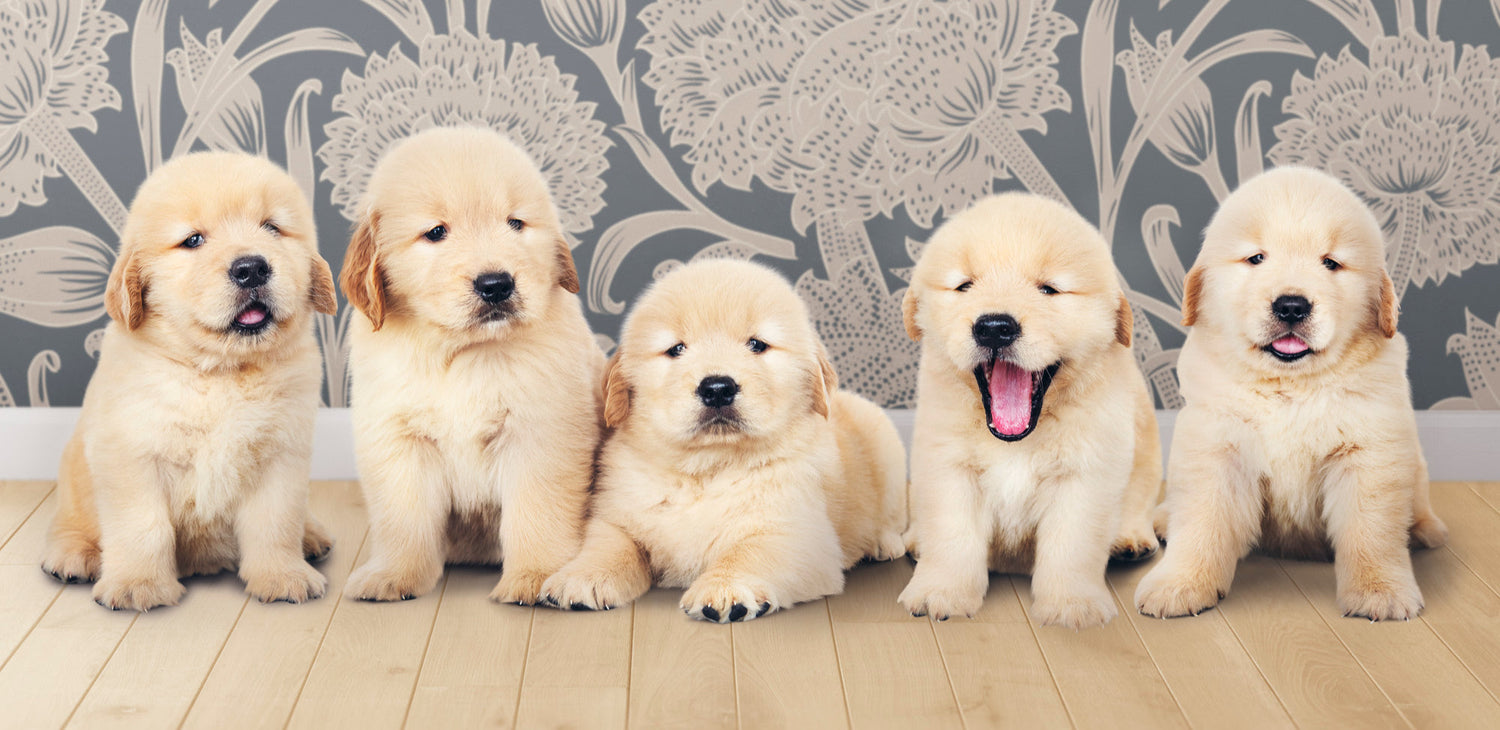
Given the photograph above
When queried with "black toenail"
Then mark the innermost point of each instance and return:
(579, 607)
(918, 614)
(710, 613)
(737, 612)
(765, 608)
(407, 596)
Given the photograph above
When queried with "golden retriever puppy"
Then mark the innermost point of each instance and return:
(475, 377)
(192, 451)
(1035, 446)
(736, 468)
(1298, 435)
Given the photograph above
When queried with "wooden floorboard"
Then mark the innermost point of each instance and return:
(1276, 653)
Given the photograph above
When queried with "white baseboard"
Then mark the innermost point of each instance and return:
(1460, 445)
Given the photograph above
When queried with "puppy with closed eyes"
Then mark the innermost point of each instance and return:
(192, 451)
(475, 376)
(1035, 447)
(1298, 436)
(736, 468)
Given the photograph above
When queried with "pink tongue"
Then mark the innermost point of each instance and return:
(1010, 398)
(1289, 345)
(251, 317)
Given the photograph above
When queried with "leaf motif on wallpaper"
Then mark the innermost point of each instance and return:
(855, 327)
(54, 276)
(460, 80)
(46, 361)
(238, 121)
(1416, 133)
(1356, 15)
(1187, 135)
(53, 81)
(1478, 348)
(408, 15)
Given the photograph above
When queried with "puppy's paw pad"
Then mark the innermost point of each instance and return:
(72, 563)
(1074, 612)
(297, 584)
(1168, 598)
(519, 586)
(1382, 603)
(384, 584)
(940, 602)
(723, 600)
(137, 594)
(1429, 532)
(587, 590)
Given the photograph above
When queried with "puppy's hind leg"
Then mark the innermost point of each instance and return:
(1427, 529)
(72, 553)
(610, 571)
(1138, 538)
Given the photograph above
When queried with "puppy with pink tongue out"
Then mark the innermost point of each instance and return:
(1035, 448)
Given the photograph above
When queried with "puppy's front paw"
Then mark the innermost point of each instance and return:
(940, 599)
(72, 560)
(1133, 545)
(137, 594)
(520, 586)
(1166, 596)
(293, 584)
(1382, 601)
(1084, 611)
(588, 590)
(723, 599)
(374, 582)
(890, 545)
(316, 544)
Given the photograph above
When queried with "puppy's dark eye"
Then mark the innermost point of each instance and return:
(1332, 265)
(1256, 260)
(756, 346)
(437, 233)
(965, 286)
(192, 241)
(1046, 289)
(516, 224)
(676, 350)
(271, 228)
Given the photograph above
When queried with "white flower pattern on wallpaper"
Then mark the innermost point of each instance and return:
(832, 113)
(459, 79)
(1416, 132)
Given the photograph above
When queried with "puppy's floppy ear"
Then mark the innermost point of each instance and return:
(125, 292)
(361, 278)
(616, 393)
(1124, 322)
(1385, 317)
(567, 274)
(321, 291)
(1191, 295)
(825, 383)
(909, 313)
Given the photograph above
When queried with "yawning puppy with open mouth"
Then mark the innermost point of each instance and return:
(1035, 447)
(736, 468)
(1298, 436)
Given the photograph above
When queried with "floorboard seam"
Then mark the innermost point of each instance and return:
(102, 667)
(185, 713)
(521, 685)
(1057, 686)
(35, 508)
(838, 664)
(422, 662)
(302, 686)
(1127, 606)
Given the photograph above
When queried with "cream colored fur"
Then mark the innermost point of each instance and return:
(1059, 501)
(748, 519)
(1310, 458)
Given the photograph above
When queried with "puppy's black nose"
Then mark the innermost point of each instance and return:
(1291, 309)
(996, 330)
(717, 391)
(494, 287)
(248, 272)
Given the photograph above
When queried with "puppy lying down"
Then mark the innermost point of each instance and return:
(1035, 448)
(736, 468)
(192, 452)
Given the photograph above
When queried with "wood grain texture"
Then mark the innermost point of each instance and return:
(681, 670)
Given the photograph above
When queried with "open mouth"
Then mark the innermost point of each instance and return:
(256, 316)
(1012, 397)
(1288, 348)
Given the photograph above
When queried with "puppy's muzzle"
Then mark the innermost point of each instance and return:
(250, 272)
(718, 391)
(494, 287)
(1291, 309)
(996, 331)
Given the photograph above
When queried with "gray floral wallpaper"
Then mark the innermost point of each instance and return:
(824, 137)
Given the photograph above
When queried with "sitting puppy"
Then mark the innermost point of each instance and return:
(192, 452)
(1298, 435)
(475, 376)
(1035, 447)
(736, 468)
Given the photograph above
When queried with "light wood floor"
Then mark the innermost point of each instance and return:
(1275, 654)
